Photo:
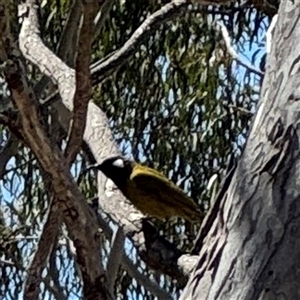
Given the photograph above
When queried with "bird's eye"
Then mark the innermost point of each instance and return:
(118, 163)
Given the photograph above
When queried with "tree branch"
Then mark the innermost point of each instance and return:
(68, 41)
(80, 222)
(233, 53)
(45, 246)
(66, 50)
(82, 77)
(106, 67)
(115, 257)
(102, 16)
(128, 266)
(7, 152)
(67, 44)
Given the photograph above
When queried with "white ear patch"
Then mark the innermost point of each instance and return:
(119, 163)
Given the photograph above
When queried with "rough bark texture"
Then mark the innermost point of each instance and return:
(252, 248)
(80, 222)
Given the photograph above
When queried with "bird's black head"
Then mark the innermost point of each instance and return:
(117, 168)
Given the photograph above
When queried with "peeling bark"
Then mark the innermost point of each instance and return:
(252, 248)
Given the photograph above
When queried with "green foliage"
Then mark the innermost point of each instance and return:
(178, 105)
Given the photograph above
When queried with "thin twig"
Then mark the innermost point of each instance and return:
(128, 266)
(102, 16)
(115, 257)
(7, 152)
(112, 63)
(233, 53)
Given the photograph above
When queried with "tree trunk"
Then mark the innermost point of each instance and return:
(252, 249)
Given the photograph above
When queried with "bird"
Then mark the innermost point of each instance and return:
(149, 190)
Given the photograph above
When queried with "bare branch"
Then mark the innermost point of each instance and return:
(115, 257)
(102, 16)
(233, 53)
(81, 224)
(34, 50)
(7, 152)
(67, 44)
(169, 11)
(242, 110)
(83, 82)
(45, 246)
(128, 266)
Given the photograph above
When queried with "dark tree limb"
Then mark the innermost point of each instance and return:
(82, 227)
(81, 224)
(115, 257)
(47, 243)
(45, 246)
(82, 76)
(7, 152)
(102, 16)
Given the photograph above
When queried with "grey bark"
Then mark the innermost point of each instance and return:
(252, 248)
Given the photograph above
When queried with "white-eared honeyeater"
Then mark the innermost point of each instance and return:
(149, 190)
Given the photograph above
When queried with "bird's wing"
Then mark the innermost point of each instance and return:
(149, 181)
(152, 181)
